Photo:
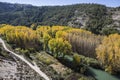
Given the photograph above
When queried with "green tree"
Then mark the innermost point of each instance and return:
(59, 47)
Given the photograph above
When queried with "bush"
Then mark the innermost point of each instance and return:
(77, 59)
(86, 78)
(43, 59)
(80, 59)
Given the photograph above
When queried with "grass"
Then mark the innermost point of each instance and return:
(44, 58)
(50, 61)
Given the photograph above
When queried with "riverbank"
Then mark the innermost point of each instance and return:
(58, 70)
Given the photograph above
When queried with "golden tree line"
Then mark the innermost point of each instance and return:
(63, 40)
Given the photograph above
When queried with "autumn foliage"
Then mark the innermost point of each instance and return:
(63, 40)
(108, 53)
(59, 47)
(21, 36)
(83, 42)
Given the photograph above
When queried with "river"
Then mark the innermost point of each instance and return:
(97, 73)
(102, 75)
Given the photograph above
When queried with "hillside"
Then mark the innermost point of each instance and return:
(70, 42)
(93, 17)
(61, 52)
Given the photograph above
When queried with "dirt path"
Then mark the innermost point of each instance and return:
(34, 67)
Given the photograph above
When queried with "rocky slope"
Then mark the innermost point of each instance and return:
(13, 67)
(16, 70)
(116, 18)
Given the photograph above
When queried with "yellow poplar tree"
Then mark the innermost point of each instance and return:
(108, 53)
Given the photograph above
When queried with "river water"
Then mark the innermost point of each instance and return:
(102, 75)
(97, 73)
